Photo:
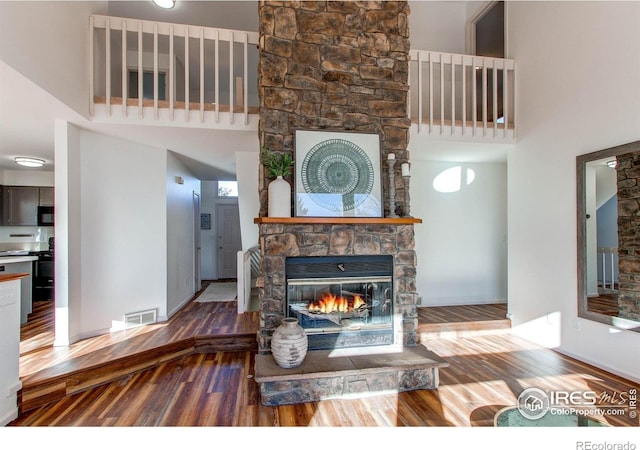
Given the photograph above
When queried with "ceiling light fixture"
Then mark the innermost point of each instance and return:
(167, 4)
(29, 162)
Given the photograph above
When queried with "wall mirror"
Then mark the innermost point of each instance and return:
(608, 188)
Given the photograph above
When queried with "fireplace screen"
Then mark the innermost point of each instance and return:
(342, 301)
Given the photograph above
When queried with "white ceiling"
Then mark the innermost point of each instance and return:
(26, 130)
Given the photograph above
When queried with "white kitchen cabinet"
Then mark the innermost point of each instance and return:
(16, 265)
(9, 347)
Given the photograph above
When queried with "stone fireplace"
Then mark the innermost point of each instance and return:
(283, 240)
(339, 66)
(333, 65)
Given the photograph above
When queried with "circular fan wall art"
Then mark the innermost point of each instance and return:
(341, 168)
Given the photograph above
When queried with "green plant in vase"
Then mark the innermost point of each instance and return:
(278, 165)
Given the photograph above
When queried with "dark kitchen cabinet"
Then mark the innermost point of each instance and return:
(20, 205)
(46, 196)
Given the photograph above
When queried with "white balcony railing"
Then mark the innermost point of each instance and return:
(462, 95)
(191, 70)
(608, 269)
(180, 64)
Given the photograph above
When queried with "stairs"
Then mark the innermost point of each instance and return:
(51, 385)
(464, 329)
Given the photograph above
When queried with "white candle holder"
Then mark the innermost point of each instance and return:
(407, 209)
(391, 162)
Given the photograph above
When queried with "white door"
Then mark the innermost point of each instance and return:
(229, 241)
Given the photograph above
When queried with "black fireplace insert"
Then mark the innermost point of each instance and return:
(342, 301)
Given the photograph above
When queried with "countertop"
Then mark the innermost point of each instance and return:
(12, 276)
(16, 259)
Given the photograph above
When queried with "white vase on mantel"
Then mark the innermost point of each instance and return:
(279, 198)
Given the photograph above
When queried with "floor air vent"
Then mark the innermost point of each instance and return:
(140, 318)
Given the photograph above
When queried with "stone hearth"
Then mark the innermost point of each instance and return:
(326, 374)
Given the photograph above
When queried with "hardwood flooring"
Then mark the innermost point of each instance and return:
(486, 373)
(603, 304)
(464, 313)
(216, 388)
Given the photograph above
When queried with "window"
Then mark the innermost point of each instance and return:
(147, 85)
(227, 189)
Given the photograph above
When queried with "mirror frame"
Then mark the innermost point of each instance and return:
(581, 164)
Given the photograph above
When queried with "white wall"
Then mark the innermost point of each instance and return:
(56, 34)
(68, 229)
(578, 85)
(209, 241)
(438, 25)
(123, 231)
(462, 243)
(180, 234)
(247, 164)
(34, 177)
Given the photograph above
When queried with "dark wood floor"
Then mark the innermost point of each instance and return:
(603, 304)
(215, 388)
(463, 313)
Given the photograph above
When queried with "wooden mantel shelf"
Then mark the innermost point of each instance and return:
(338, 220)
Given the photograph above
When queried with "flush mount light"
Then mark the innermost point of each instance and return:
(167, 4)
(29, 162)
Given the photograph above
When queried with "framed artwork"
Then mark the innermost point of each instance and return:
(337, 174)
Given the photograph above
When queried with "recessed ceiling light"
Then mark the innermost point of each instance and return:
(29, 162)
(167, 4)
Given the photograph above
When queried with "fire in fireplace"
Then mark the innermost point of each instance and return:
(342, 301)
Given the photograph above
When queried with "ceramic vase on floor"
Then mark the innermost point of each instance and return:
(279, 198)
(289, 344)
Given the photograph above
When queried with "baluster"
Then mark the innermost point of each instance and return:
(187, 106)
(216, 69)
(231, 103)
(125, 81)
(108, 65)
(140, 71)
(495, 99)
(172, 79)
(453, 95)
(484, 97)
(91, 67)
(441, 93)
(420, 99)
(430, 93)
(201, 74)
(245, 95)
(155, 71)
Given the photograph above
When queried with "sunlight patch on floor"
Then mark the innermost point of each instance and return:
(459, 401)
